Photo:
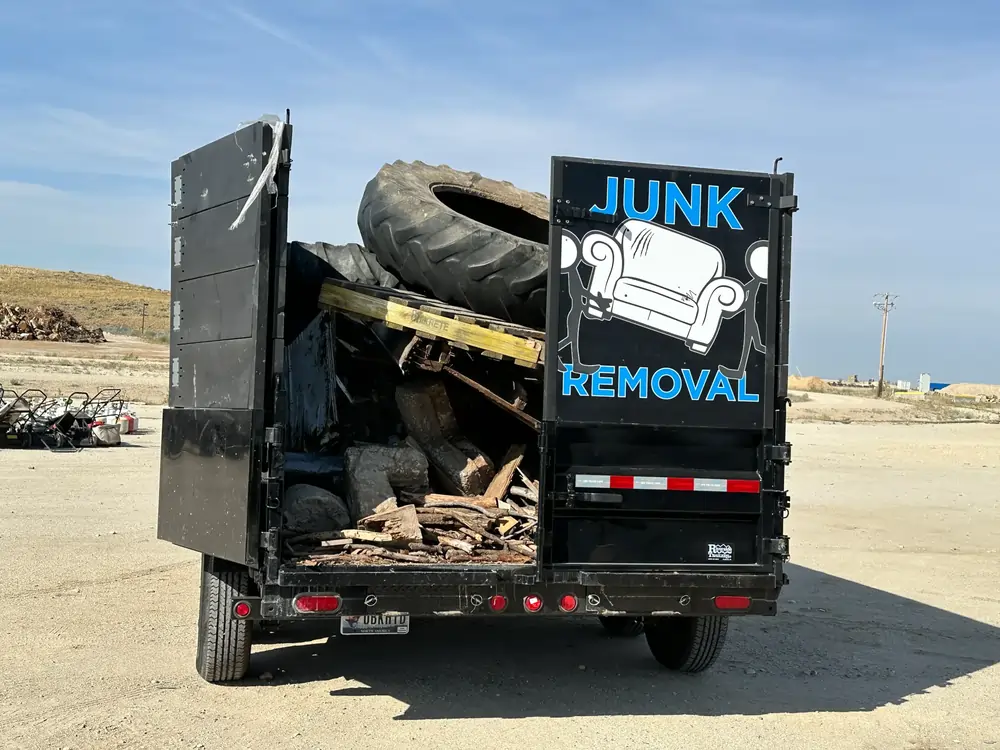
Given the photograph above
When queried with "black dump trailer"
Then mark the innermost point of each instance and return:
(661, 447)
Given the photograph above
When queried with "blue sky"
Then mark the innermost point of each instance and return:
(888, 115)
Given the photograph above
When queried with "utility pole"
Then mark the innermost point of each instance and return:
(884, 302)
(145, 304)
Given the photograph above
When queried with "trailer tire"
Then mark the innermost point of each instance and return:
(461, 237)
(686, 644)
(622, 627)
(223, 639)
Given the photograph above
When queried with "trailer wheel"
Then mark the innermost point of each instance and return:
(686, 644)
(622, 627)
(223, 639)
(461, 237)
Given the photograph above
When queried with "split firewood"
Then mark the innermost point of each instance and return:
(401, 524)
(316, 536)
(529, 483)
(466, 547)
(386, 506)
(334, 543)
(472, 535)
(501, 481)
(521, 548)
(368, 536)
(402, 557)
(475, 502)
(469, 520)
(435, 549)
(523, 492)
(506, 525)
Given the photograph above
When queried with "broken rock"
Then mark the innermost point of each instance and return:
(430, 421)
(310, 509)
(375, 473)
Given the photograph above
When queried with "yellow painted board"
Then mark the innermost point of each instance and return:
(427, 323)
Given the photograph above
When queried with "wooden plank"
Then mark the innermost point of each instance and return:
(497, 490)
(412, 299)
(495, 343)
(502, 403)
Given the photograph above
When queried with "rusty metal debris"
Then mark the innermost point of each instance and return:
(32, 419)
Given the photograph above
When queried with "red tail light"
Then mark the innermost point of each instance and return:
(568, 603)
(732, 602)
(242, 609)
(532, 603)
(310, 603)
(498, 603)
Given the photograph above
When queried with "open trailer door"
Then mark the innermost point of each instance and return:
(666, 363)
(228, 230)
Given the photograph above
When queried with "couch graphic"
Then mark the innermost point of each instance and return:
(660, 279)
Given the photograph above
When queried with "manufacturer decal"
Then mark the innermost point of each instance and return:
(720, 552)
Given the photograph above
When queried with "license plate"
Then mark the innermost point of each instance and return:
(394, 624)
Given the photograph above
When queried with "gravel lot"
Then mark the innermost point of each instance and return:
(888, 637)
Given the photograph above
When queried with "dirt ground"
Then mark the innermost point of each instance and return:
(138, 368)
(887, 637)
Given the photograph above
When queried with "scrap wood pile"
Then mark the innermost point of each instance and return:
(491, 517)
(417, 385)
(434, 528)
(44, 324)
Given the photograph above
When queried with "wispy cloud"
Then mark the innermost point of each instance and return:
(886, 117)
(280, 33)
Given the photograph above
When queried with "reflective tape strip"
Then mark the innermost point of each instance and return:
(679, 484)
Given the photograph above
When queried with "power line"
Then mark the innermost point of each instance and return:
(884, 302)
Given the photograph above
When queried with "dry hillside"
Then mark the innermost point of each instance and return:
(96, 301)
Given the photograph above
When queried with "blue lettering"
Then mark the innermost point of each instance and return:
(695, 389)
(690, 208)
(742, 395)
(652, 207)
(610, 200)
(602, 383)
(610, 382)
(629, 382)
(720, 387)
(675, 389)
(573, 381)
(717, 207)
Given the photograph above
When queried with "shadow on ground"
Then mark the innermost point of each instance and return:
(835, 646)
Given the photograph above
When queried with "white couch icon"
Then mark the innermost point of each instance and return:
(661, 279)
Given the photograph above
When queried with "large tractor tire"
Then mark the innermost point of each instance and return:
(461, 238)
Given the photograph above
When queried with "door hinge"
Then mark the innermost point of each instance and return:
(789, 203)
(778, 546)
(273, 465)
(269, 540)
(780, 452)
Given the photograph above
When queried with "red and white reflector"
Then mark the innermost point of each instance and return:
(314, 603)
(732, 602)
(532, 603)
(568, 603)
(498, 602)
(681, 484)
